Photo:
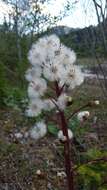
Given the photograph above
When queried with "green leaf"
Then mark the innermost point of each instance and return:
(52, 129)
(89, 173)
(104, 187)
(94, 153)
(99, 167)
(74, 123)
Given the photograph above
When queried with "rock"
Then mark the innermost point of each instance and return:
(18, 135)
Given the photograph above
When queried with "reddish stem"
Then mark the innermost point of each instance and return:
(58, 92)
(69, 168)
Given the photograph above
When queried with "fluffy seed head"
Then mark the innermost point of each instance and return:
(83, 115)
(33, 73)
(62, 101)
(38, 172)
(62, 137)
(48, 105)
(50, 62)
(35, 107)
(38, 131)
(37, 88)
(97, 102)
(61, 174)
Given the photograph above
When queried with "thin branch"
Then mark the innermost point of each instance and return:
(79, 109)
(103, 159)
(53, 101)
(61, 90)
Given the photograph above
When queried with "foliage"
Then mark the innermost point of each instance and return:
(81, 41)
(52, 129)
(74, 123)
(3, 83)
(92, 174)
(95, 153)
(14, 98)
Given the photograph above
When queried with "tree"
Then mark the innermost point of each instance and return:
(26, 17)
(100, 12)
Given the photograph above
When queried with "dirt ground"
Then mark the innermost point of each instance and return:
(21, 159)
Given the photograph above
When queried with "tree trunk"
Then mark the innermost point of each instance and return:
(101, 26)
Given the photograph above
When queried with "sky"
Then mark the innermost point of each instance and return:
(82, 15)
(80, 18)
(4, 10)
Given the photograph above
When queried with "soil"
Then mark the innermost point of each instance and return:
(20, 160)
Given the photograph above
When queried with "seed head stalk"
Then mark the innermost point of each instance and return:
(68, 166)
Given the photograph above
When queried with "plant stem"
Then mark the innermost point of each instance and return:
(68, 166)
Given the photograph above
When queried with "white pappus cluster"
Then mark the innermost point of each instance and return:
(62, 137)
(50, 61)
(38, 131)
(83, 115)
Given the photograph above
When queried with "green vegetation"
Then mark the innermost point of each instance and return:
(12, 82)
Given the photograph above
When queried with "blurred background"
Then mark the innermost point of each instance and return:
(81, 25)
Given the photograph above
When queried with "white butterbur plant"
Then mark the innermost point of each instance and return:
(51, 62)
(52, 76)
